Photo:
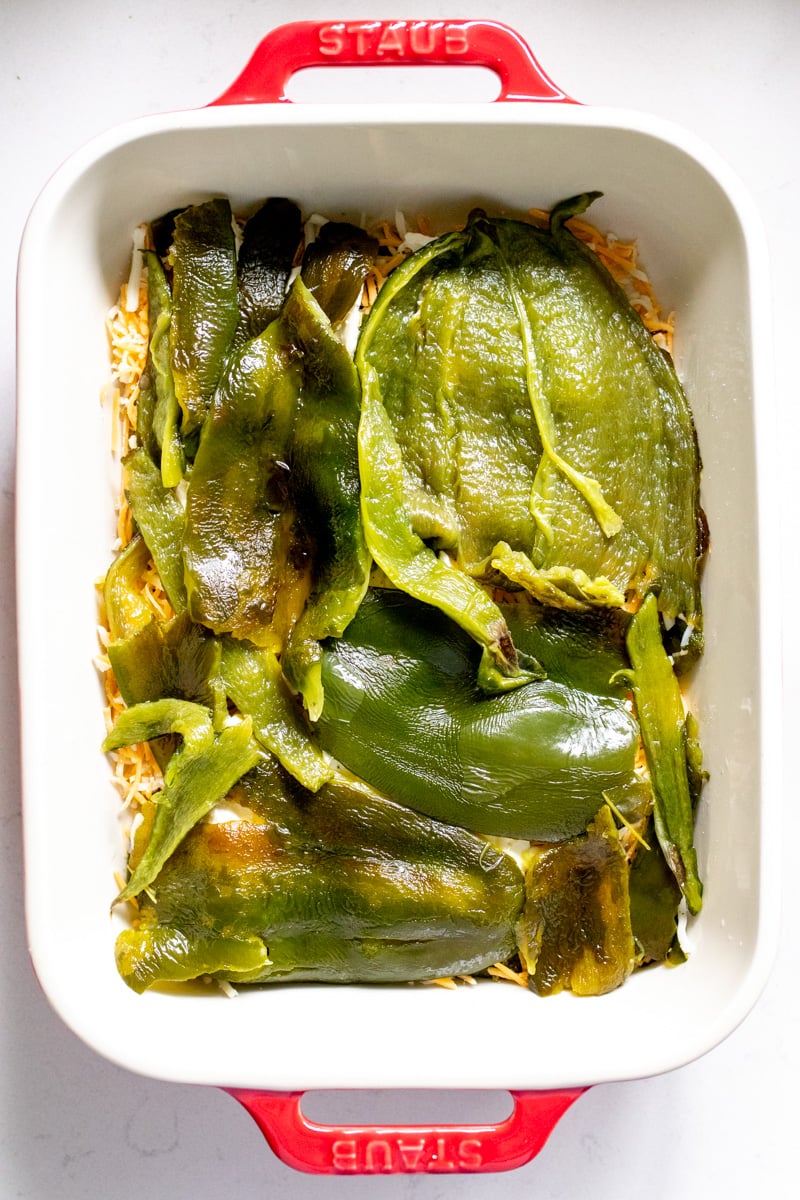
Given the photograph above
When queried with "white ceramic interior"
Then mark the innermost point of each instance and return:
(701, 244)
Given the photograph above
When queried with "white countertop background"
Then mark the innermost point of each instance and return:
(73, 1125)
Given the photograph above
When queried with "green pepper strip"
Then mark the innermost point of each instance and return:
(126, 609)
(174, 660)
(159, 516)
(167, 410)
(205, 305)
(254, 682)
(239, 527)
(326, 490)
(199, 774)
(271, 238)
(663, 725)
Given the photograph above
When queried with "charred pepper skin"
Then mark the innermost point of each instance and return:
(518, 416)
(342, 887)
(575, 931)
(265, 551)
(205, 306)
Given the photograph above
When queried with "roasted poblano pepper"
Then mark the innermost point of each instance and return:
(159, 517)
(253, 679)
(245, 556)
(575, 931)
(170, 659)
(518, 416)
(342, 886)
(403, 711)
(200, 772)
(126, 608)
(205, 307)
(664, 735)
(334, 266)
(158, 427)
(270, 240)
(273, 540)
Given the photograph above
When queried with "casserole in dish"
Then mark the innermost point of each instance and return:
(702, 247)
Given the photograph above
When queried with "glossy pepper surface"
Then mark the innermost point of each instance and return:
(261, 543)
(404, 712)
(341, 886)
(205, 308)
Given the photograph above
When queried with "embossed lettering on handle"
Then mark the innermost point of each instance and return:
(290, 48)
(405, 1149)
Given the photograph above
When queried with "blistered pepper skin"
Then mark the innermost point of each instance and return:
(264, 547)
(350, 888)
(205, 309)
(518, 415)
(575, 931)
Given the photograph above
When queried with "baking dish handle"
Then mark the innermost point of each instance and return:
(290, 48)
(405, 1149)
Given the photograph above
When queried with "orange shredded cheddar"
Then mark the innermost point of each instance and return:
(503, 973)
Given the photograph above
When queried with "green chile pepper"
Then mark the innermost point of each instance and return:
(265, 536)
(335, 265)
(205, 307)
(159, 517)
(170, 660)
(403, 711)
(585, 650)
(664, 735)
(200, 772)
(358, 890)
(326, 492)
(654, 899)
(254, 681)
(575, 930)
(241, 552)
(518, 416)
(160, 436)
(270, 240)
(126, 609)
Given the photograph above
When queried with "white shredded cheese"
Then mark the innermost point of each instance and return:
(312, 227)
(348, 328)
(684, 940)
(135, 276)
(415, 241)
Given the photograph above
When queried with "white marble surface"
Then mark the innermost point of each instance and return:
(72, 1125)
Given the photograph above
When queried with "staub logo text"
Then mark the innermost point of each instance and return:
(405, 1153)
(393, 40)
